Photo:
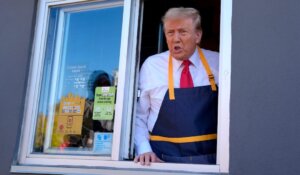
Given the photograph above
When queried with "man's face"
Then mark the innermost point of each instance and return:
(182, 37)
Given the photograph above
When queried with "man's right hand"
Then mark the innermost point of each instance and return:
(147, 158)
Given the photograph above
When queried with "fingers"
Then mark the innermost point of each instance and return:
(147, 158)
(136, 159)
(140, 158)
(153, 157)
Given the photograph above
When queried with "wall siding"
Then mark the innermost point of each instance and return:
(265, 98)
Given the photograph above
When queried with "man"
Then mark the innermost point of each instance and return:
(176, 119)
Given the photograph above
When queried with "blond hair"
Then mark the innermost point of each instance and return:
(182, 12)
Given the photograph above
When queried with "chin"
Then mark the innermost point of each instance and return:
(177, 58)
(180, 58)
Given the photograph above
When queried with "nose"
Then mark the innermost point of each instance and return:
(176, 37)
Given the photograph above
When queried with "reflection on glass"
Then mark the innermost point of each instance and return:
(82, 69)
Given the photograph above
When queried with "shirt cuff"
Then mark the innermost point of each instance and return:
(144, 147)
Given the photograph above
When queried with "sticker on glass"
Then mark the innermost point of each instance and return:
(102, 143)
(104, 104)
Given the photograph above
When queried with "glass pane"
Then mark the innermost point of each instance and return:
(76, 107)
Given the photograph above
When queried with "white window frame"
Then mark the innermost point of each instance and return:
(34, 85)
(29, 163)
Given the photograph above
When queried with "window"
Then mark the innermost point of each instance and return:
(81, 55)
(82, 89)
(77, 71)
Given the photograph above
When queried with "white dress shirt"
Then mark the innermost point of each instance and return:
(153, 85)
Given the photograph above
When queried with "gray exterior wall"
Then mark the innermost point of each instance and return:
(265, 110)
(265, 97)
(17, 19)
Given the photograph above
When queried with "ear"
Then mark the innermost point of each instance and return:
(198, 36)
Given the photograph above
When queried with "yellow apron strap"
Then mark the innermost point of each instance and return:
(171, 80)
(190, 139)
(211, 77)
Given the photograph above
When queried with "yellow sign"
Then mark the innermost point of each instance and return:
(68, 124)
(71, 105)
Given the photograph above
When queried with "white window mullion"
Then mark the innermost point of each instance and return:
(224, 84)
(120, 109)
(126, 137)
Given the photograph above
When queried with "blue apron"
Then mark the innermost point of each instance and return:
(185, 131)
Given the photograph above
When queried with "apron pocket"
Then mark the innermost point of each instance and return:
(199, 159)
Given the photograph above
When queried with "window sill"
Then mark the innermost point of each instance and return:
(118, 167)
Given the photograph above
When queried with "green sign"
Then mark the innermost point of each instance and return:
(104, 103)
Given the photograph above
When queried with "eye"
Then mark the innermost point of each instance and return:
(170, 33)
(183, 32)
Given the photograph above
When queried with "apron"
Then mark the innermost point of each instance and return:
(185, 131)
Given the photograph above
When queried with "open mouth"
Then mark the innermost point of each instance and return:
(177, 49)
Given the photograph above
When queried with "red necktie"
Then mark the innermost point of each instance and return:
(186, 80)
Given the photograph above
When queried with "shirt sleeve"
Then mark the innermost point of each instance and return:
(141, 126)
(141, 137)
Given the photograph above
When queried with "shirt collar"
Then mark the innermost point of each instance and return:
(194, 59)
